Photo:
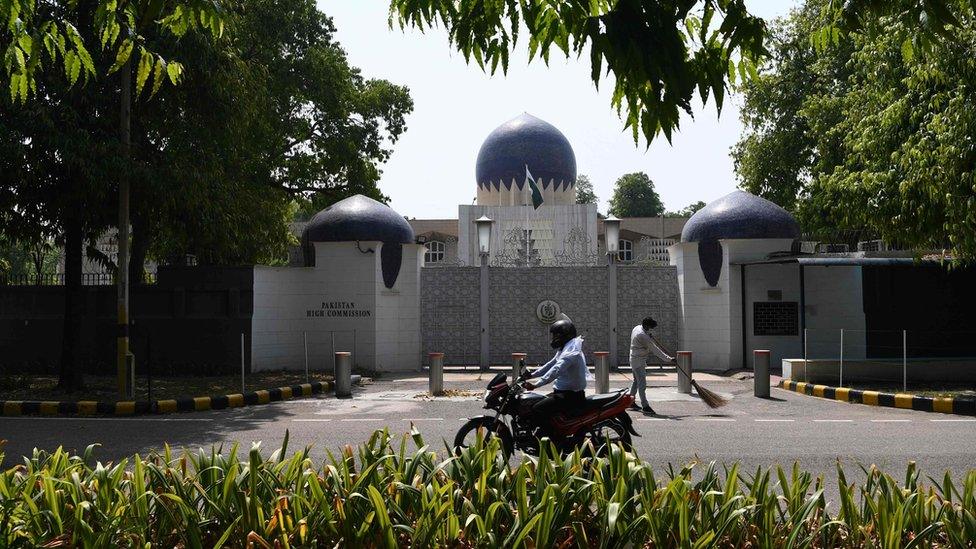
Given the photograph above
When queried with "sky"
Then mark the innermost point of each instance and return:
(456, 106)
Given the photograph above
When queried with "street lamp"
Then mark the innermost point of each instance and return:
(484, 248)
(484, 234)
(612, 225)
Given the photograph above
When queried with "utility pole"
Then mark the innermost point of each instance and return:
(122, 274)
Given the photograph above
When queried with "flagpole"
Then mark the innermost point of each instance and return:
(526, 206)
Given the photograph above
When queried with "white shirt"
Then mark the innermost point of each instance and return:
(567, 368)
(642, 344)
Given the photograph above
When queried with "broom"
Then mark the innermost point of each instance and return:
(710, 398)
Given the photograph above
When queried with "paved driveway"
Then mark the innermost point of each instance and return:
(785, 428)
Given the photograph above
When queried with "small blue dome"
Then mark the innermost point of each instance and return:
(358, 218)
(740, 215)
(526, 140)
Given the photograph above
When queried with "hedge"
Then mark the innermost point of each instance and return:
(397, 492)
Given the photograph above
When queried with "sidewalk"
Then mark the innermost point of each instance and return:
(662, 385)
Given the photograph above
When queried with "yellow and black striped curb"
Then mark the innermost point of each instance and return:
(143, 407)
(945, 405)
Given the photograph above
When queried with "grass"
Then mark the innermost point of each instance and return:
(399, 493)
(33, 387)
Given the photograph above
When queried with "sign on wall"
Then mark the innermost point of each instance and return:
(338, 309)
(547, 311)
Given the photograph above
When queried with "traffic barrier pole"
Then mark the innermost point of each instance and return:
(602, 371)
(684, 364)
(760, 373)
(343, 374)
(436, 373)
(518, 361)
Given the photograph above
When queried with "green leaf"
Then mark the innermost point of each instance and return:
(14, 86)
(174, 70)
(125, 51)
(21, 61)
(907, 50)
(144, 69)
(158, 74)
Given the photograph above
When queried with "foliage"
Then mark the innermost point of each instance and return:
(930, 20)
(634, 196)
(687, 211)
(63, 37)
(271, 114)
(584, 190)
(870, 135)
(274, 117)
(390, 495)
(661, 53)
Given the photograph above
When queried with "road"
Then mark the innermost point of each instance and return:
(786, 428)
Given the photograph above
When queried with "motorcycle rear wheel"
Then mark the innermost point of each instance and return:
(467, 434)
(609, 433)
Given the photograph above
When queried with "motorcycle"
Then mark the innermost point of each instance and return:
(602, 421)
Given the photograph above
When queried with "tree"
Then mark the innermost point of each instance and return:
(634, 196)
(62, 34)
(584, 191)
(274, 118)
(687, 211)
(270, 113)
(876, 129)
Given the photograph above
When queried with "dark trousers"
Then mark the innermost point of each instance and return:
(555, 404)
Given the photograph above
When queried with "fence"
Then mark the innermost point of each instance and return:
(308, 350)
(898, 359)
(57, 279)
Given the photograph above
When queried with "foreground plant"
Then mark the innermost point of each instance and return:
(391, 493)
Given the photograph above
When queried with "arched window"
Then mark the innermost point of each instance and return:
(626, 252)
(435, 251)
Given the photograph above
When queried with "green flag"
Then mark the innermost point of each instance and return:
(536, 193)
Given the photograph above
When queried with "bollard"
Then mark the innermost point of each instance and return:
(343, 374)
(760, 373)
(602, 371)
(436, 373)
(518, 362)
(684, 364)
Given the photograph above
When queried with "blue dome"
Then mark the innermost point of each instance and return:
(740, 215)
(526, 140)
(358, 218)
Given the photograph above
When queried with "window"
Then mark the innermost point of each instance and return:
(435, 251)
(775, 318)
(626, 250)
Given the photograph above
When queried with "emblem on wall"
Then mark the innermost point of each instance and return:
(547, 311)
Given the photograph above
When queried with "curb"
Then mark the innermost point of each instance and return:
(944, 405)
(169, 406)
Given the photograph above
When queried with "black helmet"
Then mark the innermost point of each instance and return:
(562, 331)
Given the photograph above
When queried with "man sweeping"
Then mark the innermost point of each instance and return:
(642, 345)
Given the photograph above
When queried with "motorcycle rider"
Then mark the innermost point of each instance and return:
(567, 369)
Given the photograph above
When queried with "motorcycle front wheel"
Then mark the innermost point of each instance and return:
(468, 433)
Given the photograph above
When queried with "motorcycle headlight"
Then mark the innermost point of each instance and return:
(487, 392)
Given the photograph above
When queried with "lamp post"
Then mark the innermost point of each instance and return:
(612, 235)
(484, 251)
(612, 225)
(484, 235)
